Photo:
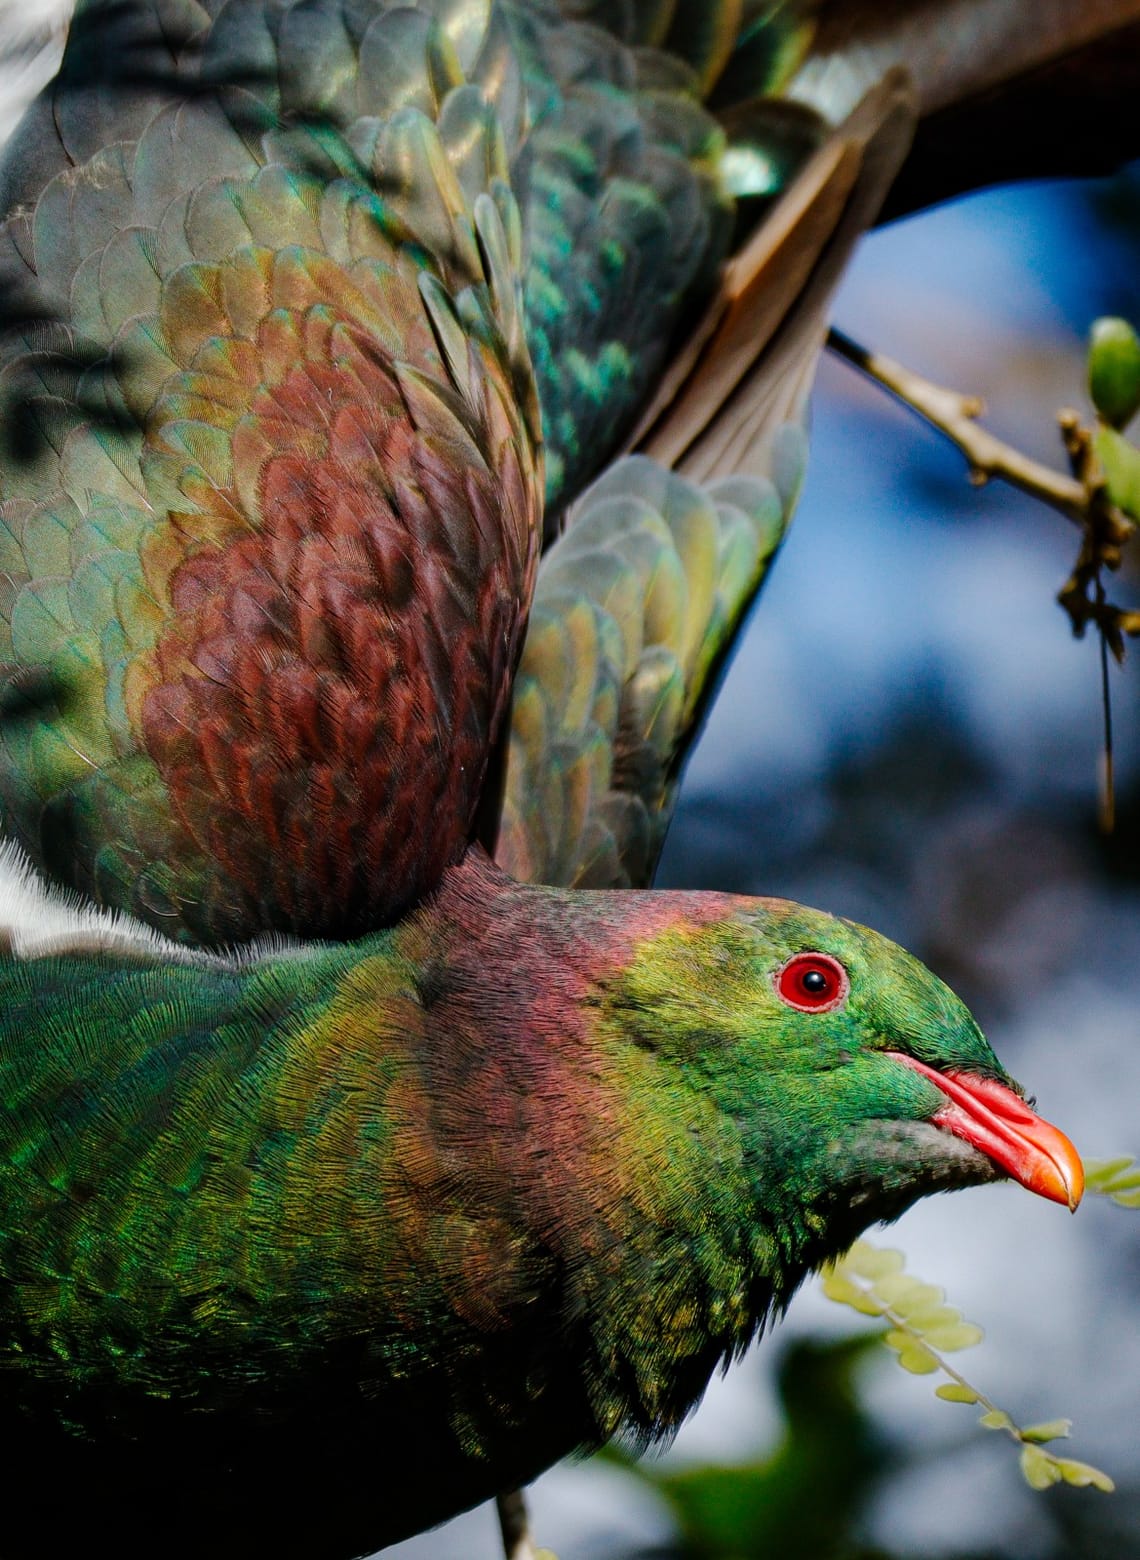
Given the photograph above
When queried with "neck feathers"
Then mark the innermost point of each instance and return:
(627, 1182)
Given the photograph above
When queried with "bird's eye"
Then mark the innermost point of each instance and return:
(813, 982)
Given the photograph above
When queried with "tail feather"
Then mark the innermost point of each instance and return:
(640, 601)
(750, 358)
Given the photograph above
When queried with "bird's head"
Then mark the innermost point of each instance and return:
(857, 1081)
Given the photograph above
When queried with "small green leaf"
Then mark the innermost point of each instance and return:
(955, 1392)
(1100, 1173)
(1039, 1468)
(925, 1317)
(1115, 1178)
(918, 1360)
(961, 1335)
(1126, 1199)
(1083, 1474)
(842, 1290)
(996, 1419)
(837, 1287)
(900, 1290)
(1121, 463)
(1050, 1430)
(873, 1262)
(1114, 370)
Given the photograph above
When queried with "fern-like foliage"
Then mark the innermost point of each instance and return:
(923, 1329)
(1115, 1178)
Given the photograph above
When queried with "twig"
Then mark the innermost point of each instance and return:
(1082, 497)
(1107, 818)
(514, 1524)
(954, 415)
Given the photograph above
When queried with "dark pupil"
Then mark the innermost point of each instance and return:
(814, 982)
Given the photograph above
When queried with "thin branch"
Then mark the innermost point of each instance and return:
(1082, 497)
(514, 1524)
(954, 415)
(1107, 817)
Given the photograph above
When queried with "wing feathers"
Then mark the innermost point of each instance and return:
(634, 606)
(295, 346)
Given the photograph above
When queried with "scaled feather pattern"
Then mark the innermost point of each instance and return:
(365, 1147)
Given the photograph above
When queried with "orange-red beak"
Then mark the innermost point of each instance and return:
(996, 1121)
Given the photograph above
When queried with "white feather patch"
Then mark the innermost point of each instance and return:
(32, 34)
(37, 920)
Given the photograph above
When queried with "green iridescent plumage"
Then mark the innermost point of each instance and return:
(391, 1226)
(324, 1240)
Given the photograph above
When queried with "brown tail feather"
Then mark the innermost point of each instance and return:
(748, 365)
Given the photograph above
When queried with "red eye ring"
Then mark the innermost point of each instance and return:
(812, 983)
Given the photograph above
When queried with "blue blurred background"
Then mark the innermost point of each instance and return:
(909, 736)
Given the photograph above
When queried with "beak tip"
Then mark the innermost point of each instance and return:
(1073, 1173)
(1062, 1177)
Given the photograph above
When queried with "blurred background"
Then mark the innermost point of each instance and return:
(909, 736)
